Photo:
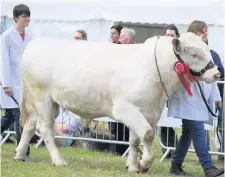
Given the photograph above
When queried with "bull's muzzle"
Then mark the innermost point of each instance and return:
(217, 76)
(210, 65)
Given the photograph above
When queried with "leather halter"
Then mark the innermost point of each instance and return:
(194, 73)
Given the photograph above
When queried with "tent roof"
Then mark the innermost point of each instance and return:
(135, 11)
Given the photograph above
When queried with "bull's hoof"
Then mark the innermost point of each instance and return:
(19, 157)
(132, 169)
(60, 163)
(142, 170)
(22, 159)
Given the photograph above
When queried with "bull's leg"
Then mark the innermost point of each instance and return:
(46, 126)
(132, 161)
(132, 117)
(148, 156)
(28, 132)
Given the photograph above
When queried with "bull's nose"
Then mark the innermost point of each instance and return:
(217, 76)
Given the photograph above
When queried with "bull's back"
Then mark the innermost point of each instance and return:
(50, 58)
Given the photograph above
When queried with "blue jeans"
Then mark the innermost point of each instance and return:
(12, 116)
(67, 143)
(193, 130)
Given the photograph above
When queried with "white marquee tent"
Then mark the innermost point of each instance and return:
(142, 11)
(62, 17)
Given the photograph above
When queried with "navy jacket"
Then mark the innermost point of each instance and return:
(217, 62)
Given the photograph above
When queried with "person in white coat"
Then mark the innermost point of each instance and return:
(193, 112)
(14, 41)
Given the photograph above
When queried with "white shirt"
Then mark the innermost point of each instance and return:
(193, 108)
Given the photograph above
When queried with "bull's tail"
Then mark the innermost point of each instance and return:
(23, 108)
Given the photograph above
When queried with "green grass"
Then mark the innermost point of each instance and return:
(86, 164)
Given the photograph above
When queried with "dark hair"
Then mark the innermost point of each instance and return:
(83, 34)
(118, 28)
(21, 9)
(172, 27)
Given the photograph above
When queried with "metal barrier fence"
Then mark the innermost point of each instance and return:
(212, 140)
(105, 133)
(100, 133)
(175, 124)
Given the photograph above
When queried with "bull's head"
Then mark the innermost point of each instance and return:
(196, 54)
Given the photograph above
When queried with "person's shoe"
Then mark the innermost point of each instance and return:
(28, 159)
(177, 169)
(213, 171)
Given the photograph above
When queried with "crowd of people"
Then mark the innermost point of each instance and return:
(191, 110)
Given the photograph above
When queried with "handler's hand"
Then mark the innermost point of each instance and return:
(219, 104)
(8, 91)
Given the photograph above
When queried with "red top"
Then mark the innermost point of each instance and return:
(22, 35)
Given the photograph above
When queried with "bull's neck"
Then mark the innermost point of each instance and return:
(170, 78)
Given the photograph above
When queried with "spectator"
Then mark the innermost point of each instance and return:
(127, 36)
(168, 135)
(14, 41)
(115, 33)
(172, 31)
(67, 124)
(80, 35)
(185, 107)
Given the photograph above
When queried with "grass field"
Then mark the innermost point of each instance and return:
(87, 164)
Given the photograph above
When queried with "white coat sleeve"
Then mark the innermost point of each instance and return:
(215, 93)
(5, 62)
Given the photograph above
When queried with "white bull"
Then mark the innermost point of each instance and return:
(101, 79)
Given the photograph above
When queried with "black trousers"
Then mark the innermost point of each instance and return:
(12, 116)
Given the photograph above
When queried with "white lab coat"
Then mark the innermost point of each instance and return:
(12, 48)
(193, 108)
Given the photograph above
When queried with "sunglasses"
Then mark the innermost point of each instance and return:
(204, 31)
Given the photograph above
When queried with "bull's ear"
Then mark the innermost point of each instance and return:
(176, 45)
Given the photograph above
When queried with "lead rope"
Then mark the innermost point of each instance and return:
(204, 100)
(211, 112)
(160, 77)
